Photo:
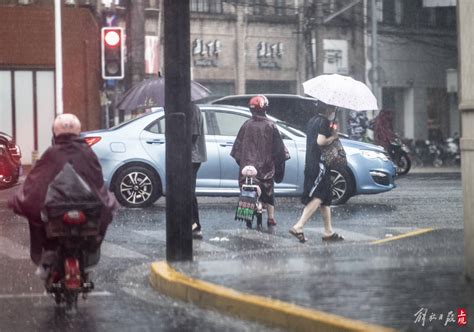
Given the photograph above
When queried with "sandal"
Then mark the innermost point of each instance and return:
(299, 235)
(271, 222)
(333, 237)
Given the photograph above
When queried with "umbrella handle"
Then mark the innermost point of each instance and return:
(335, 117)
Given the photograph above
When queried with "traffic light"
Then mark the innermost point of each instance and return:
(112, 55)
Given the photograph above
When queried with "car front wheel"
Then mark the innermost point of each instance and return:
(342, 185)
(137, 187)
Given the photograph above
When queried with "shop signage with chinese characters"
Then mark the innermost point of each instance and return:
(269, 55)
(206, 53)
(335, 56)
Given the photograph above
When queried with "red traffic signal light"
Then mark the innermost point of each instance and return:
(112, 55)
(112, 38)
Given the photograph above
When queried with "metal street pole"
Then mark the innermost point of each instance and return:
(179, 243)
(465, 12)
(375, 60)
(241, 37)
(320, 33)
(59, 57)
(136, 42)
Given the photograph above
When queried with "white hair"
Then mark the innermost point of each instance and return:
(66, 123)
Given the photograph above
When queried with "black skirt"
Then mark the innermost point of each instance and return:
(317, 184)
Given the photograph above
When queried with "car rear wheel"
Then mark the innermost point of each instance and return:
(137, 187)
(342, 185)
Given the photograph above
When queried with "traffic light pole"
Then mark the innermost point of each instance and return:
(179, 245)
(58, 45)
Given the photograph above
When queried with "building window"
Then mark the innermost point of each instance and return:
(398, 10)
(206, 6)
(446, 17)
(280, 7)
(428, 17)
(258, 7)
(388, 12)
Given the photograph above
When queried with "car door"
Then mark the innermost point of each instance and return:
(292, 167)
(226, 126)
(153, 141)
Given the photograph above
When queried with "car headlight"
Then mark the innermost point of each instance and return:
(369, 154)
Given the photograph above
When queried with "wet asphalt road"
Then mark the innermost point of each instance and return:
(384, 284)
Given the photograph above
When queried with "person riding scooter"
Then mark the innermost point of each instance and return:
(382, 126)
(29, 201)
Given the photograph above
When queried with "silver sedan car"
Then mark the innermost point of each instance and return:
(132, 156)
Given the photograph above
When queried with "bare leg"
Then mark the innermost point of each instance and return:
(308, 211)
(326, 214)
(270, 211)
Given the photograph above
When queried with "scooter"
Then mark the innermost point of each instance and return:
(399, 153)
(68, 278)
(451, 152)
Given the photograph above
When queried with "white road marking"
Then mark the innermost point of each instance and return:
(37, 295)
(198, 245)
(204, 246)
(267, 238)
(157, 235)
(115, 251)
(13, 250)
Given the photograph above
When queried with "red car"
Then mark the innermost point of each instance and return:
(10, 161)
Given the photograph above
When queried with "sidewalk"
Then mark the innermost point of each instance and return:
(432, 169)
(390, 283)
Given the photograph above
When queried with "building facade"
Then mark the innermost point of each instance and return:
(237, 47)
(417, 46)
(27, 70)
(269, 46)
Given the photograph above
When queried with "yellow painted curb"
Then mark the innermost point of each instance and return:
(267, 311)
(403, 236)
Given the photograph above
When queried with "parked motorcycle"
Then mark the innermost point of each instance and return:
(451, 152)
(399, 154)
(428, 153)
(10, 161)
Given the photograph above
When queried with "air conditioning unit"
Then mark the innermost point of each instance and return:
(24, 2)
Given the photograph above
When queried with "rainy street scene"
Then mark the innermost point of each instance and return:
(364, 278)
(244, 165)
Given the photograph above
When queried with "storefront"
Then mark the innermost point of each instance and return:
(27, 60)
(268, 55)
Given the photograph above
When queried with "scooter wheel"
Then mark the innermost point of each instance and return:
(437, 162)
(57, 298)
(403, 164)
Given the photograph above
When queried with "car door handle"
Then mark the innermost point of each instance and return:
(227, 144)
(156, 141)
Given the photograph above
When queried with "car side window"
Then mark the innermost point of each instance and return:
(228, 124)
(158, 126)
(244, 102)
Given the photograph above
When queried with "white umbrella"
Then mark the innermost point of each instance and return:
(341, 91)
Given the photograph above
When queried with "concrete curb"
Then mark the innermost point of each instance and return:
(250, 307)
